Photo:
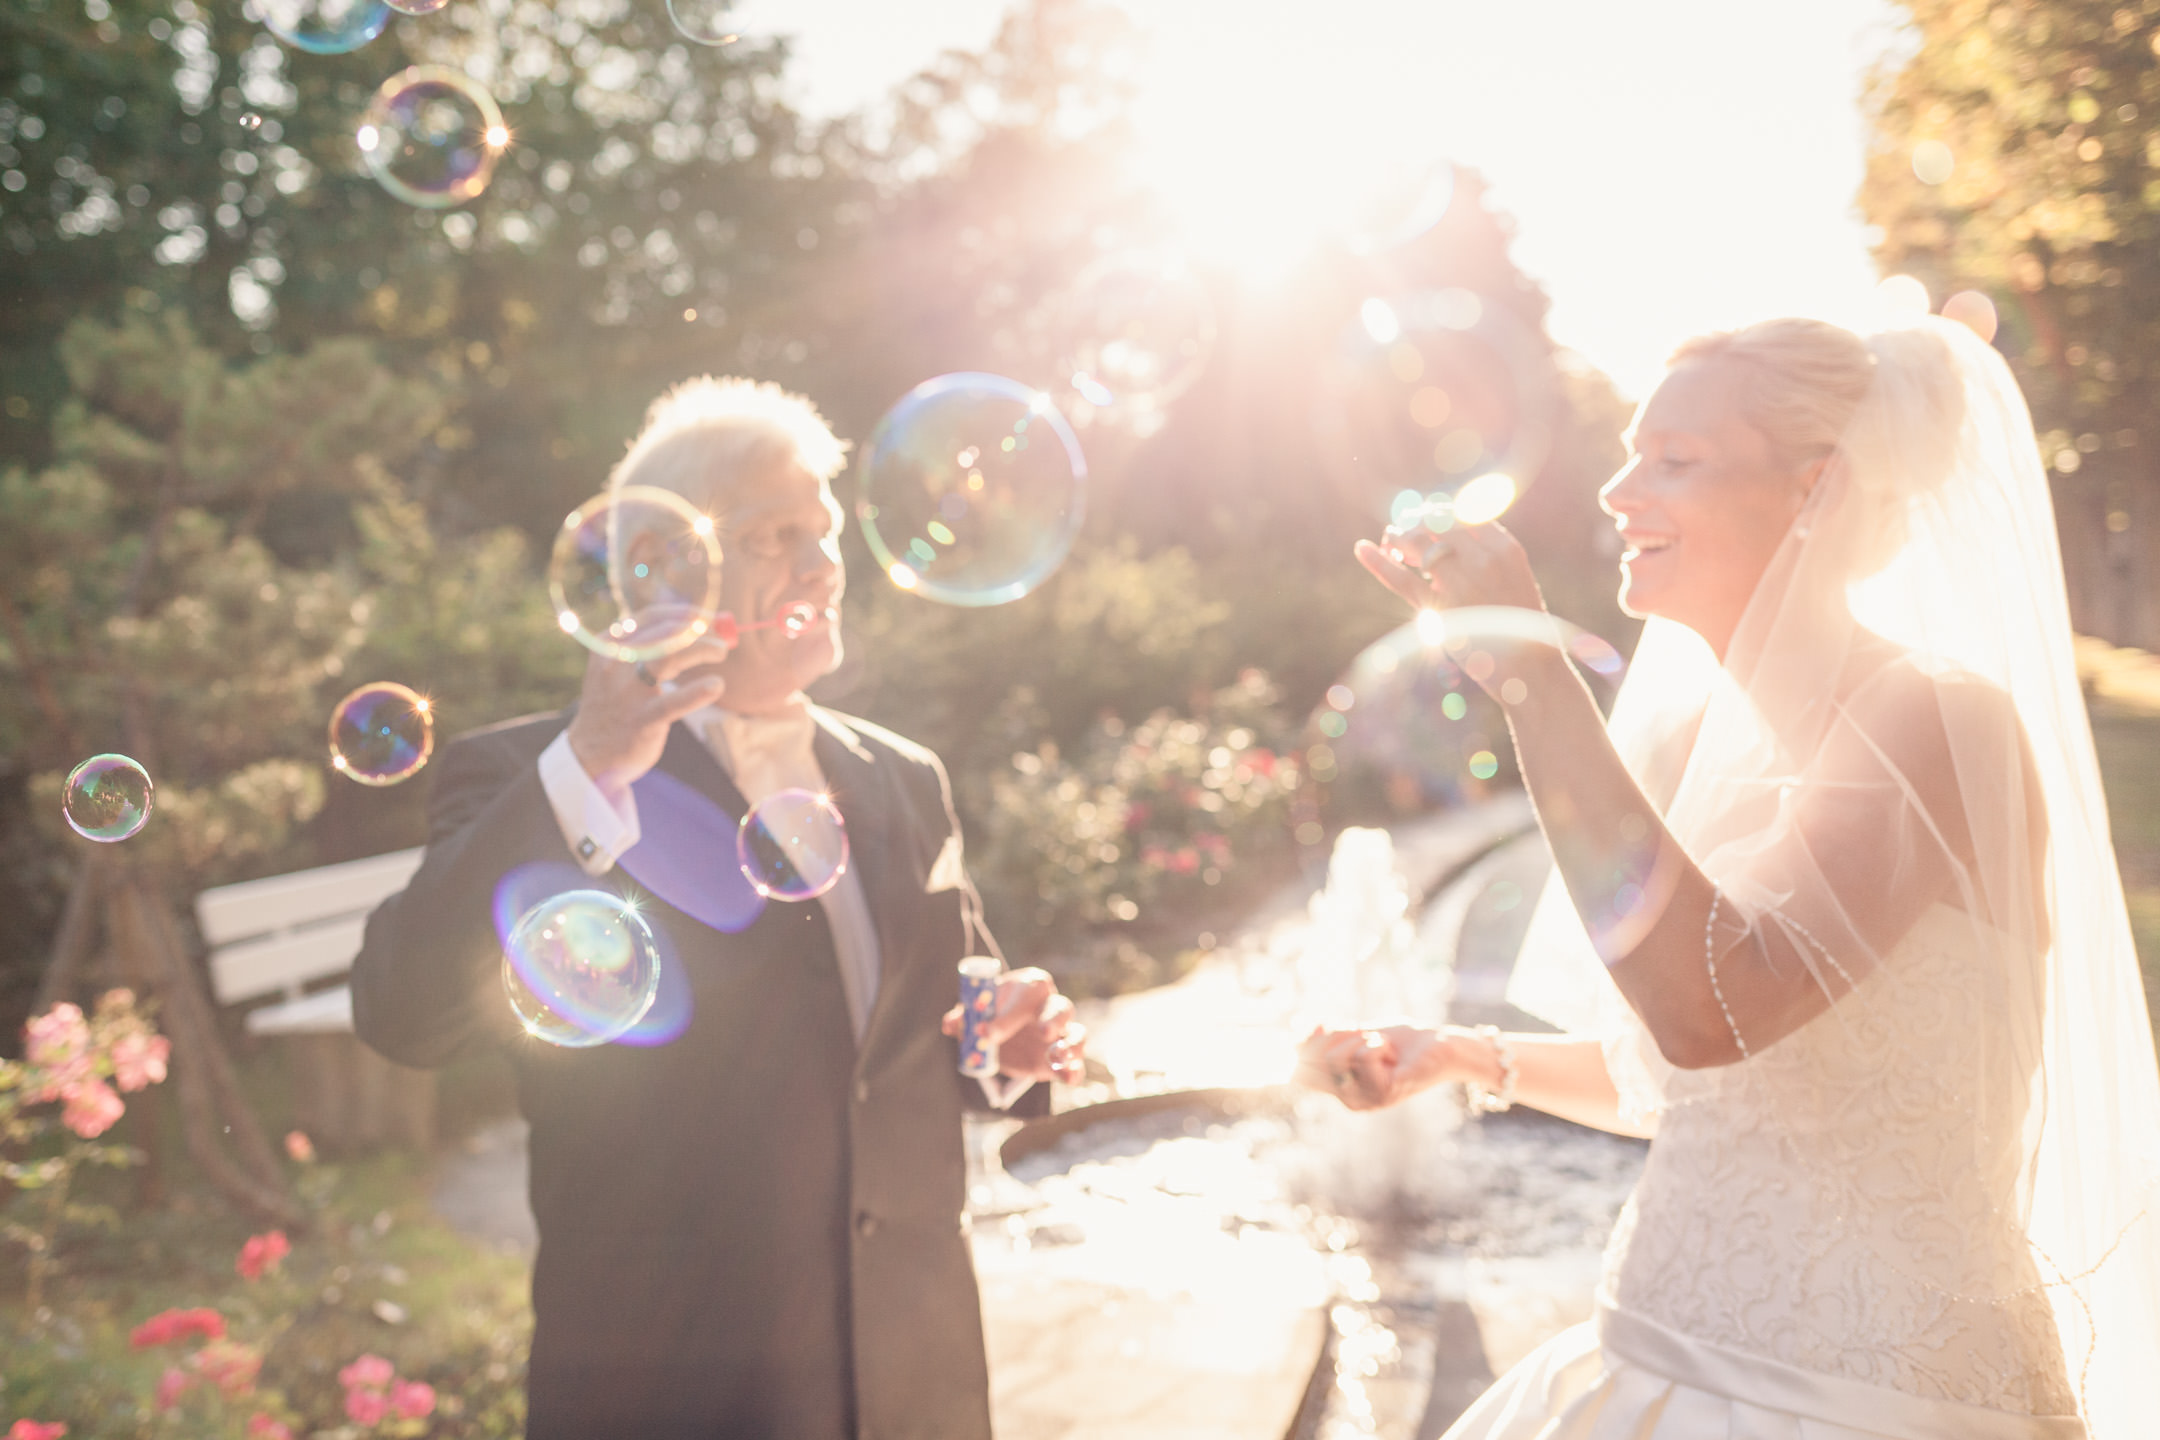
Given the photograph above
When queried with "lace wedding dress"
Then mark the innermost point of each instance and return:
(1810, 1252)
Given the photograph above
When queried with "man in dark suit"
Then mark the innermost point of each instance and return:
(753, 1227)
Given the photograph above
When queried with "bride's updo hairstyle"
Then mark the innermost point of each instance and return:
(1890, 406)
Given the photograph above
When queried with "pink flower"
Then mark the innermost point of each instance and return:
(366, 1407)
(229, 1365)
(92, 1107)
(173, 1384)
(263, 1427)
(56, 1038)
(167, 1326)
(368, 1372)
(299, 1147)
(412, 1399)
(38, 1430)
(262, 1253)
(139, 1059)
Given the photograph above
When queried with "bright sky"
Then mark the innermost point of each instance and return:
(1672, 165)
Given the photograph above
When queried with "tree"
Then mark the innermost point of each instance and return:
(144, 610)
(2017, 152)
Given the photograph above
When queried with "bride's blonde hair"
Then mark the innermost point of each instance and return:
(1891, 405)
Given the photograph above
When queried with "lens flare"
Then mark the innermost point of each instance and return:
(107, 798)
(635, 574)
(971, 490)
(1434, 392)
(1132, 334)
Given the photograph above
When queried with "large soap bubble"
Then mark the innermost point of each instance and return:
(581, 968)
(971, 490)
(1405, 206)
(381, 734)
(705, 21)
(1413, 723)
(322, 27)
(635, 574)
(107, 798)
(793, 845)
(1133, 333)
(1432, 391)
(431, 137)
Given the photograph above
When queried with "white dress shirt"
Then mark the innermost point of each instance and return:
(763, 754)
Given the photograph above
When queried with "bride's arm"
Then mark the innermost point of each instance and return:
(1559, 1074)
(1644, 899)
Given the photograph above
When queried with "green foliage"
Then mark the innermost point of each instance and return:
(2049, 115)
(1132, 818)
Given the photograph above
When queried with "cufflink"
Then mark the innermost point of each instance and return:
(586, 849)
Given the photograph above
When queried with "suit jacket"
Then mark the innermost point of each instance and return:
(755, 1230)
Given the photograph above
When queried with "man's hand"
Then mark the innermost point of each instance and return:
(1371, 1069)
(624, 711)
(1037, 1036)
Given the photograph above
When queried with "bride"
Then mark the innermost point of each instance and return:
(1834, 919)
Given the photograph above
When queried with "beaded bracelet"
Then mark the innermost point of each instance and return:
(1476, 1098)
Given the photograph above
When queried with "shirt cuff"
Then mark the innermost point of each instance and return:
(597, 827)
(1002, 1090)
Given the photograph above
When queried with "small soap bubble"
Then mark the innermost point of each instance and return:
(1132, 334)
(107, 798)
(322, 27)
(793, 845)
(581, 968)
(704, 21)
(1404, 207)
(416, 7)
(1434, 391)
(971, 490)
(635, 574)
(381, 734)
(431, 137)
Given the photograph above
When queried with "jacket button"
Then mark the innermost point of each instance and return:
(862, 1092)
(865, 1224)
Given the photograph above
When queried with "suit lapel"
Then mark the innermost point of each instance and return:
(862, 791)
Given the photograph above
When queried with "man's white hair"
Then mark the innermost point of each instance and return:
(705, 436)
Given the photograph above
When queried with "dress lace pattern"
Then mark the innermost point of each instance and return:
(1844, 1201)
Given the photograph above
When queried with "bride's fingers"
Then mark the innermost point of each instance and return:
(1392, 573)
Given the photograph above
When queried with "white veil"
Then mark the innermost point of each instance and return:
(1931, 528)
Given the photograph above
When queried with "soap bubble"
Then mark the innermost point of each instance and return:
(431, 137)
(704, 21)
(416, 7)
(581, 968)
(793, 845)
(1411, 723)
(971, 490)
(108, 798)
(381, 734)
(322, 27)
(1405, 206)
(1432, 391)
(1133, 333)
(635, 573)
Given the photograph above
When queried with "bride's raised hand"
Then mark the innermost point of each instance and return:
(1369, 1069)
(1463, 566)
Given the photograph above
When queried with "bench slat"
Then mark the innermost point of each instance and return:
(328, 1012)
(281, 902)
(281, 962)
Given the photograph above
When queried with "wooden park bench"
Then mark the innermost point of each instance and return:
(290, 940)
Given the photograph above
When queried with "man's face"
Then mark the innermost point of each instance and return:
(780, 546)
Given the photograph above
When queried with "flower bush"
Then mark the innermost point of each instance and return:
(1143, 815)
(76, 1063)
